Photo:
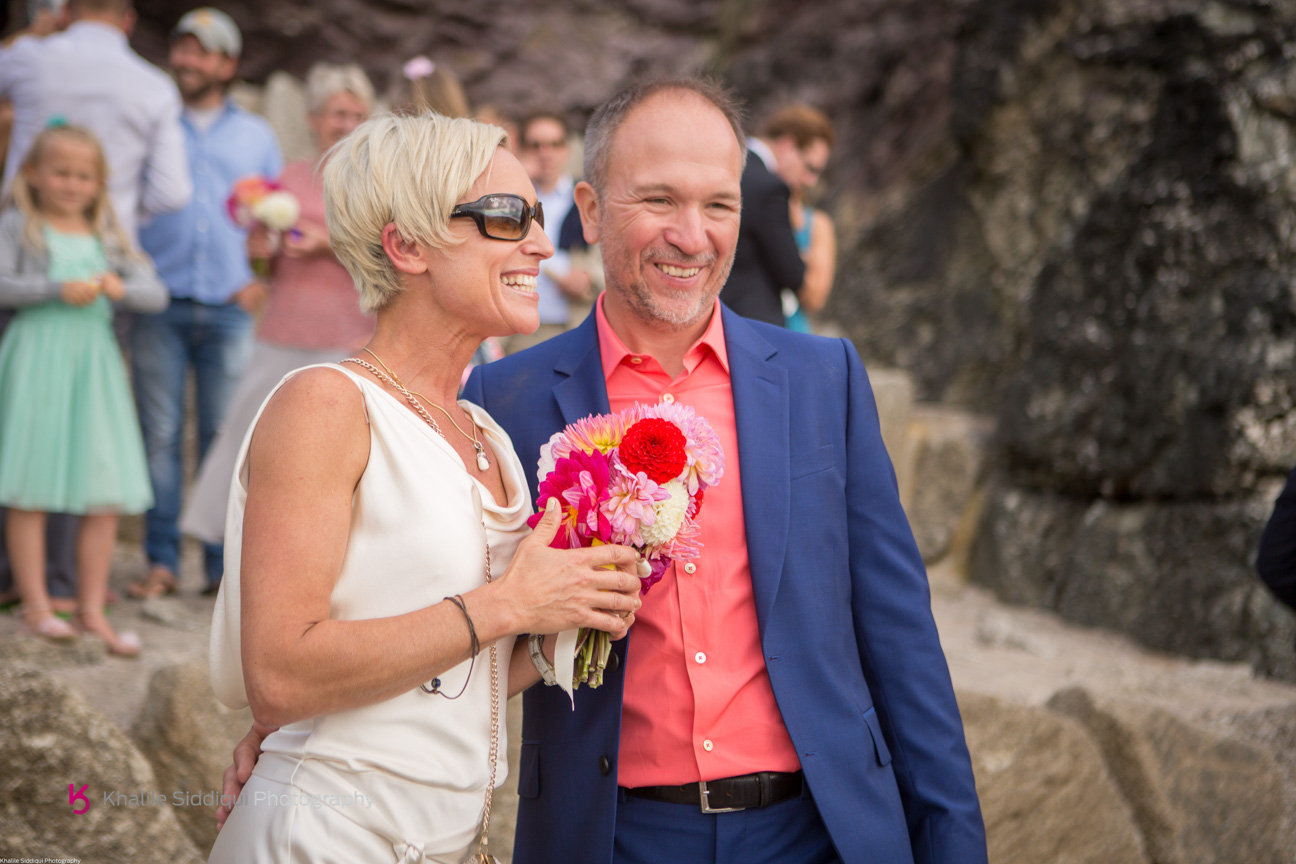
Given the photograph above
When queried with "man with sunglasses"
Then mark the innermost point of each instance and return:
(784, 697)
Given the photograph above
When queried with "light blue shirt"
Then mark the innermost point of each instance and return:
(553, 306)
(88, 75)
(200, 253)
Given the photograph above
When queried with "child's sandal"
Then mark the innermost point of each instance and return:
(48, 627)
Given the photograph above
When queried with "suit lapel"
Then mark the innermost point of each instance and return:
(760, 395)
(582, 389)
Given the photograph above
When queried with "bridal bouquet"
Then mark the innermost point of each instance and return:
(636, 479)
(256, 200)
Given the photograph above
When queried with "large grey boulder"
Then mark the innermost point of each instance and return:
(189, 738)
(1199, 795)
(1176, 577)
(950, 450)
(1046, 794)
(51, 739)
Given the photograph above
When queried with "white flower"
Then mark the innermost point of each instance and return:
(547, 461)
(277, 210)
(668, 515)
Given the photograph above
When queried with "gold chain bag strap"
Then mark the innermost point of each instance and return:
(482, 855)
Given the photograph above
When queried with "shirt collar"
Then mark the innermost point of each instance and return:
(763, 151)
(613, 352)
(97, 30)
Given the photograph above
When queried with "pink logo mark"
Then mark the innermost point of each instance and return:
(78, 794)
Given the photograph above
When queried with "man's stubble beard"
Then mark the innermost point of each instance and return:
(640, 298)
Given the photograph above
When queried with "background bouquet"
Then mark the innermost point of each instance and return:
(636, 479)
(258, 201)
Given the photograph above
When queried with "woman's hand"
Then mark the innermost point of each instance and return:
(306, 241)
(559, 589)
(79, 292)
(259, 245)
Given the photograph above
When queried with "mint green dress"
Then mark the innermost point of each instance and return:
(69, 435)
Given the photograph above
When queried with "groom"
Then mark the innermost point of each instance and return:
(793, 672)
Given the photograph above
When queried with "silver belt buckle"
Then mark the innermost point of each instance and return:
(704, 798)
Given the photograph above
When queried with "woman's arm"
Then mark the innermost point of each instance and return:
(821, 263)
(298, 662)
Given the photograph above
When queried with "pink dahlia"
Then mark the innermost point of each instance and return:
(580, 483)
(629, 505)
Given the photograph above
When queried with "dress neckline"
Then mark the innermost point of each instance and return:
(489, 428)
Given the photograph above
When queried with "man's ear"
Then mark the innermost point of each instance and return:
(128, 21)
(406, 256)
(588, 204)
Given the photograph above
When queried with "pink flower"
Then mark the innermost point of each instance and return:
(629, 505)
(580, 482)
(659, 567)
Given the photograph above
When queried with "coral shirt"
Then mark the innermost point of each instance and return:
(698, 703)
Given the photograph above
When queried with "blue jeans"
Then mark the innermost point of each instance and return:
(216, 342)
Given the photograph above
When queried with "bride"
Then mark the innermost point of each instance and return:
(378, 563)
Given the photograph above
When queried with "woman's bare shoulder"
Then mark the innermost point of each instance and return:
(319, 414)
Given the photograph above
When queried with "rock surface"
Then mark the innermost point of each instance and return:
(51, 739)
(188, 737)
(1045, 791)
(1187, 784)
(1176, 577)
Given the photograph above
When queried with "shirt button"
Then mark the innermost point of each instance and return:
(668, 399)
(701, 658)
(690, 568)
(636, 360)
(707, 745)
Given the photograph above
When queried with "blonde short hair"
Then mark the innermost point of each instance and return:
(325, 79)
(406, 170)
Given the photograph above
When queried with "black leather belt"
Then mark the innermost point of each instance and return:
(732, 793)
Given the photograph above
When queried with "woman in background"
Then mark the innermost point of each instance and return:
(311, 311)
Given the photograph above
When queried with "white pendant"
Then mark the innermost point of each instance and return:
(483, 463)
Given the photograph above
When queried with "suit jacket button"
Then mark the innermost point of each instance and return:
(604, 765)
(613, 662)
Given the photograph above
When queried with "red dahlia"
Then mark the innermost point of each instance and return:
(655, 447)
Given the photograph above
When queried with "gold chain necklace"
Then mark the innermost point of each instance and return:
(483, 464)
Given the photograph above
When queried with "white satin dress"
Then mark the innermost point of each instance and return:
(402, 780)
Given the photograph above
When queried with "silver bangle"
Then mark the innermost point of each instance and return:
(535, 647)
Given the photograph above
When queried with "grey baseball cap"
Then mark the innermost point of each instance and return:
(213, 29)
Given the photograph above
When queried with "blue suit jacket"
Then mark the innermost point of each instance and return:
(841, 598)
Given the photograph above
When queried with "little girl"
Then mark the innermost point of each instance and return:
(69, 435)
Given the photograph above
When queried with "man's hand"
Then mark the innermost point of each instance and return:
(80, 292)
(246, 754)
(251, 297)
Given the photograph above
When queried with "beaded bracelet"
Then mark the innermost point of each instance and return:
(474, 648)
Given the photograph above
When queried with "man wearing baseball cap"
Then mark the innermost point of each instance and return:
(201, 255)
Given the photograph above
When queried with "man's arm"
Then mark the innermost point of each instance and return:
(1276, 562)
(165, 185)
(771, 227)
(900, 650)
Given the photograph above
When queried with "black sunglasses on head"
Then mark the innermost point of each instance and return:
(501, 217)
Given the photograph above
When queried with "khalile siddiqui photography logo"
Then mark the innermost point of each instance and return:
(80, 800)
